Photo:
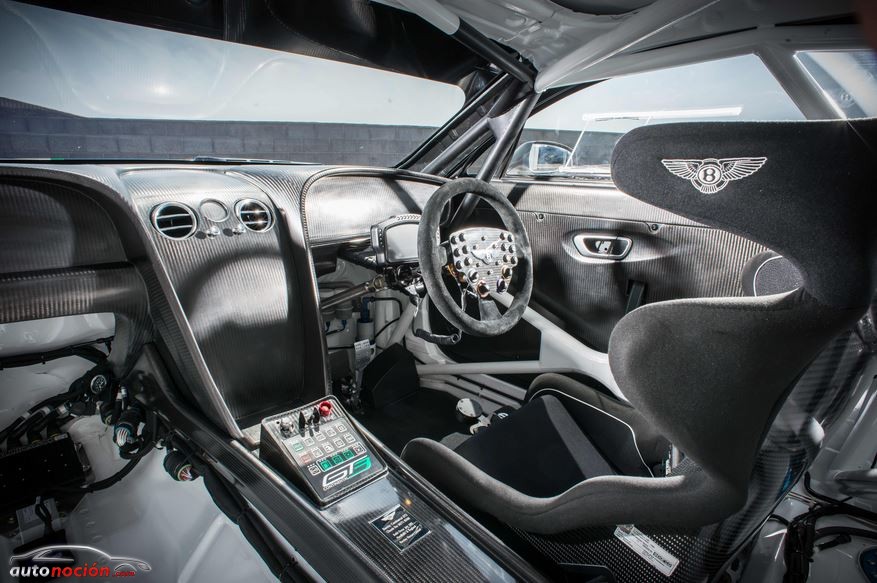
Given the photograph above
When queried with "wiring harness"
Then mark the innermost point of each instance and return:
(135, 428)
(802, 536)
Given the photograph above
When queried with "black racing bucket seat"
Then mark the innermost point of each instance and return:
(709, 375)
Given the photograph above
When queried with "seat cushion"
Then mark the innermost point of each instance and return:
(539, 450)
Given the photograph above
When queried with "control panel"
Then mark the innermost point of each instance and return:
(484, 258)
(317, 447)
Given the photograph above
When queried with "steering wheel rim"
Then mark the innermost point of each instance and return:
(433, 257)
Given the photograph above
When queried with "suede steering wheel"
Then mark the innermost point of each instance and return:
(483, 260)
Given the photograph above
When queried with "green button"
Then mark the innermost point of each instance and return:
(337, 459)
(298, 446)
(347, 454)
(325, 465)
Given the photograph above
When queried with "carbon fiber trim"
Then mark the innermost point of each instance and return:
(236, 291)
(113, 288)
(674, 261)
(600, 201)
(52, 226)
(367, 197)
(786, 453)
(443, 555)
(102, 184)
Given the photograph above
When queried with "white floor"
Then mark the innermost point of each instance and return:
(173, 526)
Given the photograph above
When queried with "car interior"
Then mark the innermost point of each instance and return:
(627, 355)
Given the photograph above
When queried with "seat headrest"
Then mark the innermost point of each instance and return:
(804, 189)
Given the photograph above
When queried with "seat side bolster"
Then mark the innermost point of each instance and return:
(651, 446)
(601, 501)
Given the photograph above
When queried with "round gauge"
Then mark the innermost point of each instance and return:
(214, 211)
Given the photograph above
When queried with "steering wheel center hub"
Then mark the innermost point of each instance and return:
(483, 258)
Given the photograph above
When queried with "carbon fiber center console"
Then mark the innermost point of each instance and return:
(317, 447)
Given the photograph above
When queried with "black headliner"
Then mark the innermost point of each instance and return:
(352, 31)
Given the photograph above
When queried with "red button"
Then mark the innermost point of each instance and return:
(325, 408)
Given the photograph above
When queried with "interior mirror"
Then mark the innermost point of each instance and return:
(539, 158)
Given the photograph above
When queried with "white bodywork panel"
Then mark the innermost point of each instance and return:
(564, 45)
(173, 526)
(23, 387)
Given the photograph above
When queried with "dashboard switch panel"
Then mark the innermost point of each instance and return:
(316, 446)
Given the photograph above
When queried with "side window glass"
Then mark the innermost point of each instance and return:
(848, 79)
(574, 137)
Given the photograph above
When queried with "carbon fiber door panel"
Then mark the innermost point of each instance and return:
(673, 261)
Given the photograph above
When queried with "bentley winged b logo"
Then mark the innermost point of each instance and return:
(712, 175)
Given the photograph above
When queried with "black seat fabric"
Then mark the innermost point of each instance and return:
(619, 432)
(538, 450)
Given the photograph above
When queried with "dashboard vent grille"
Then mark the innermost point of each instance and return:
(174, 220)
(254, 215)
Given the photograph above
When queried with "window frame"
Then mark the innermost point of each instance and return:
(776, 47)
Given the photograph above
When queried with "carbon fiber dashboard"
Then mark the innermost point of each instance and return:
(366, 197)
(236, 309)
(240, 292)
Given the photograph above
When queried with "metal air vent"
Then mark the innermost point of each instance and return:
(254, 215)
(174, 220)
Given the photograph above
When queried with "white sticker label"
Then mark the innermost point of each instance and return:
(648, 549)
(362, 351)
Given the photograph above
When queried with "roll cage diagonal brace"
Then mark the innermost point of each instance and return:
(452, 25)
(506, 128)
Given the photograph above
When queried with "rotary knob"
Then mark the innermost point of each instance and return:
(286, 425)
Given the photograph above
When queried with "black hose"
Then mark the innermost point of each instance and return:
(384, 327)
(841, 504)
(833, 530)
(85, 350)
(24, 427)
(802, 535)
(146, 445)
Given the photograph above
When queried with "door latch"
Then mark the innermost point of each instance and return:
(603, 246)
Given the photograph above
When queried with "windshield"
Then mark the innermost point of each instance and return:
(82, 87)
